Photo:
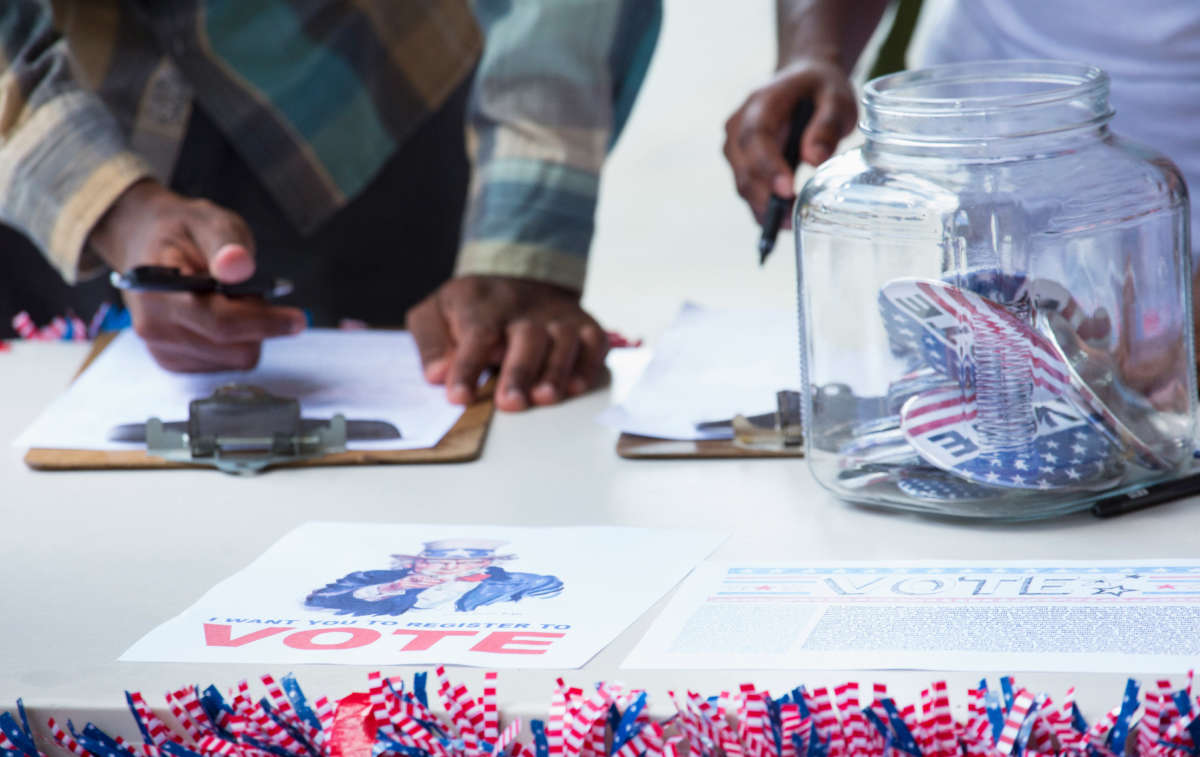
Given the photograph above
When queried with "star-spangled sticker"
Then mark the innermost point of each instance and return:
(935, 322)
(934, 485)
(941, 425)
(949, 312)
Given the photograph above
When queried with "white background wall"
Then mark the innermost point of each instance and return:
(670, 225)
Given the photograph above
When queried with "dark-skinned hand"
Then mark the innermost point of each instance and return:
(151, 225)
(547, 347)
(755, 133)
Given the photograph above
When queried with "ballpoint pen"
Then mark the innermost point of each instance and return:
(1146, 496)
(157, 278)
(778, 207)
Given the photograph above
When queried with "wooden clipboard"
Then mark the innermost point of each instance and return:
(634, 447)
(463, 443)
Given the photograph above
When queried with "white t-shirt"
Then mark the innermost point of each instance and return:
(1150, 49)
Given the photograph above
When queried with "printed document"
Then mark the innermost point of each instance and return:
(365, 375)
(1126, 616)
(392, 594)
(711, 365)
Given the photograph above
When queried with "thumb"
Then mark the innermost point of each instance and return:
(832, 119)
(226, 242)
(232, 263)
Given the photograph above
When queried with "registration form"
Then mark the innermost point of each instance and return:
(369, 375)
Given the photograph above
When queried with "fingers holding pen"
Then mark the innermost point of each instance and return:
(755, 135)
(224, 240)
(834, 115)
(753, 147)
(149, 225)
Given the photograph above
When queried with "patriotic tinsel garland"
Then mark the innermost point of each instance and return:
(612, 721)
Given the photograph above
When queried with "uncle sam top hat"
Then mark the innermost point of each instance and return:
(459, 549)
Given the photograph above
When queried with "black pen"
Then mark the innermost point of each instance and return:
(778, 207)
(159, 278)
(1146, 496)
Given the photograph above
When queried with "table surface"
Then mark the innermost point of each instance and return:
(90, 561)
(93, 560)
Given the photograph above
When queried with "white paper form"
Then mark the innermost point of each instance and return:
(1128, 616)
(368, 375)
(711, 365)
(392, 594)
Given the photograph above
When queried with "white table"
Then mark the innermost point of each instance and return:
(92, 560)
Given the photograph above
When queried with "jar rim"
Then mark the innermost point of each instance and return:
(1074, 80)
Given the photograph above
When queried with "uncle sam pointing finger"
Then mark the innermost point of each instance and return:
(458, 573)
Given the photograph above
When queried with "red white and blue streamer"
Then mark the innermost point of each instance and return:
(610, 720)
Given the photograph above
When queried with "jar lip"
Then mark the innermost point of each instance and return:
(1074, 80)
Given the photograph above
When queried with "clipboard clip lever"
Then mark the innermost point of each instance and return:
(775, 431)
(243, 429)
(778, 431)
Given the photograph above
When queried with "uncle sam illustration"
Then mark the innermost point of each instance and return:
(450, 573)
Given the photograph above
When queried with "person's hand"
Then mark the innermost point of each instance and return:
(150, 225)
(547, 347)
(755, 133)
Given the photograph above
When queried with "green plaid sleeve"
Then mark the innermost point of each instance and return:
(63, 159)
(554, 88)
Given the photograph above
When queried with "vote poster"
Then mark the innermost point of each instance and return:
(1102, 616)
(389, 594)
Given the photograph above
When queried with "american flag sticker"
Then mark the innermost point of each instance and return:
(937, 485)
(914, 382)
(947, 318)
(918, 331)
(1067, 451)
(1152, 448)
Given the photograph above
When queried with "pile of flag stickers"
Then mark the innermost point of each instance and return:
(611, 721)
(990, 403)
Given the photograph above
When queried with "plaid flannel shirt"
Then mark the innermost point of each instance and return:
(316, 95)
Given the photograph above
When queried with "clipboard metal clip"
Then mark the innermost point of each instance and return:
(776, 431)
(243, 429)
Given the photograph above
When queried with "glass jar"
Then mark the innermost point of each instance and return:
(995, 295)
